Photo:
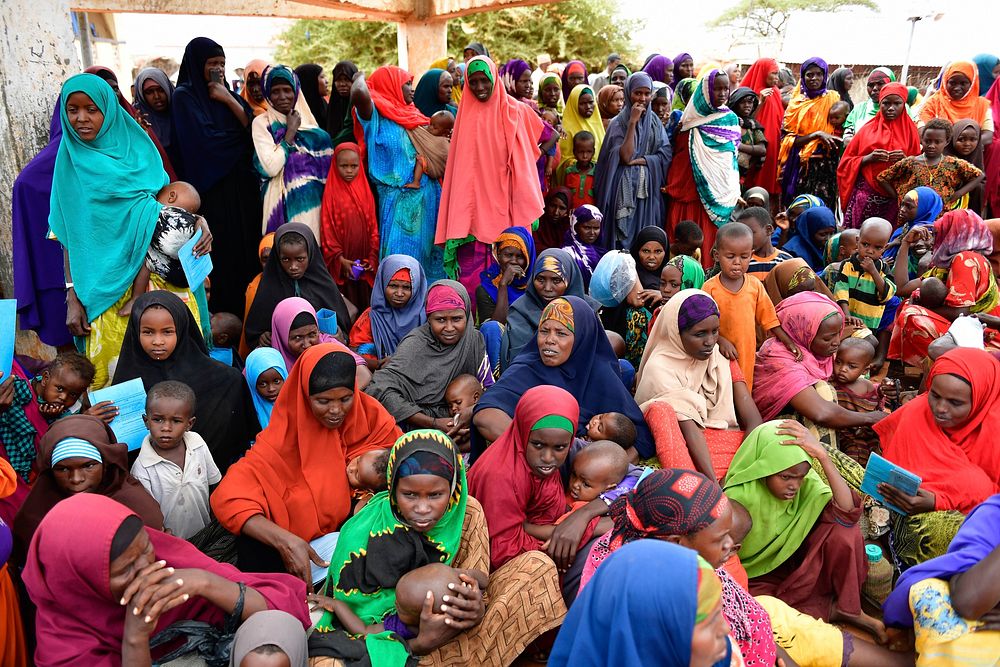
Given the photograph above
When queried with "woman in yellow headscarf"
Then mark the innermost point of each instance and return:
(581, 114)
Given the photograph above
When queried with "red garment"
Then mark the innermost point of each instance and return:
(504, 484)
(348, 223)
(491, 181)
(385, 86)
(877, 134)
(685, 204)
(962, 466)
(992, 156)
(78, 622)
(770, 115)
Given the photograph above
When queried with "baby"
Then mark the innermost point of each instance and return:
(226, 332)
(932, 293)
(461, 394)
(857, 393)
(613, 426)
(837, 116)
(552, 118)
(366, 474)
(599, 467)
(432, 143)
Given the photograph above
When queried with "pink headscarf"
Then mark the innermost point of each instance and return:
(777, 376)
(443, 297)
(281, 325)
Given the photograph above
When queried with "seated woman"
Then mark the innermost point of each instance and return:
(80, 455)
(121, 583)
(506, 278)
(396, 533)
(948, 600)
(805, 547)
(812, 230)
(412, 385)
(398, 296)
(295, 328)
(292, 487)
(688, 384)
(791, 277)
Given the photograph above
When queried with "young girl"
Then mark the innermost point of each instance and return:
(582, 240)
(650, 253)
(295, 328)
(966, 144)
(554, 223)
(349, 227)
(661, 102)
(752, 150)
(265, 373)
(396, 310)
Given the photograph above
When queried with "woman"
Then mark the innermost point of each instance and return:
(506, 278)
(919, 207)
(866, 110)
(610, 103)
(574, 74)
(412, 384)
(516, 77)
(433, 93)
(660, 68)
(632, 167)
(582, 239)
(967, 144)
(809, 151)
(295, 328)
(314, 88)
(292, 154)
(223, 410)
(385, 542)
(690, 630)
(683, 376)
(153, 94)
(494, 134)
(791, 277)
(988, 66)
(762, 78)
(339, 118)
(291, 487)
(407, 217)
(813, 228)
(890, 137)
(579, 116)
(253, 86)
(957, 99)
(80, 456)
(550, 94)
(554, 222)
(474, 49)
(216, 150)
(119, 561)
(683, 66)
(842, 80)
(397, 308)
(704, 179)
(683, 92)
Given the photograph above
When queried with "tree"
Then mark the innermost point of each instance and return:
(586, 30)
(768, 18)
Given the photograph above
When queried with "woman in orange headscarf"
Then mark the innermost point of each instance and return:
(959, 98)
(253, 86)
(762, 78)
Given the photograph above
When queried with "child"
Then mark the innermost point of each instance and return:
(174, 463)
(462, 394)
(581, 241)
(661, 103)
(742, 300)
(966, 144)
(432, 143)
(597, 468)
(932, 293)
(578, 174)
(613, 426)
(366, 473)
(265, 374)
(950, 176)
(840, 246)
(837, 117)
(688, 238)
(551, 155)
(752, 149)
(226, 332)
(857, 394)
(765, 256)
(863, 286)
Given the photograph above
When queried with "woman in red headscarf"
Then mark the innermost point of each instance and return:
(887, 139)
(762, 78)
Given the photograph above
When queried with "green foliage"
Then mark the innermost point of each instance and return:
(586, 30)
(768, 18)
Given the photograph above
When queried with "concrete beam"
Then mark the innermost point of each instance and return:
(265, 8)
(450, 9)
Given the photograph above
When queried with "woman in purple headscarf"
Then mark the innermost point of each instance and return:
(683, 66)
(661, 69)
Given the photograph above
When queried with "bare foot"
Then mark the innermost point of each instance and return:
(126, 310)
(863, 621)
(413, 186)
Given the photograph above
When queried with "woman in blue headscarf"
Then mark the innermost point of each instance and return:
(989, 68)
(433, 92)
(265, 373)
(812, 230)
(918, 208)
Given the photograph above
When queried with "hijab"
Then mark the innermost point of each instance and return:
(604, 97)
(477, 48)
(777, 375)
(308, 75)
(283, 321)
(958, 231)
(103, 204)
(339, 123)
(587, 256)
(838, 82)
(573, 122)
(770, 116)
(550, 232)
(974, 198)
(802, 243)
(960, 466)
(296, 472)
(779, 526)
(867, 108)
(547, 79)
(613, 279)
(255, 67)
(385, 86)
(649, 279)
(510, 72)
(685, 88)
(972, 106)
(985, 64)
(737, 96)
(391, 325)
(678, 61)
(810, 62)
(315, 286)
(657, 67)
(929, 206)
(260, 361)
(425, 97)
(271, 627)
(160, 120)
(348, 218)
(571, 67)
(692, 272)
(489, 279)
(211, 139)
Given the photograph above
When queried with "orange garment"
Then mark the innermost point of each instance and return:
(14, 647)
(255, 67)
(266, 243)
(296, 472)
(361, 334)
(973, 106)
(804, 116)
(740, 314)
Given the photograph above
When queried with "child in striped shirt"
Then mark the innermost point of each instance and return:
(863, 286)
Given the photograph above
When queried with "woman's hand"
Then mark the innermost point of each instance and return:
(877, 155)
(297, 554)
(217, 92)
(918, 504)
(154, 590)
(896, 155)
(293, 121)
(264, 340)
(831, 141)
(766, 93)
(636, 114)
(465, 608)
(511, 273)
(918, 234)
(76, 316)
(204, 244)
(435, 629)
(801, 437)
(638, 162)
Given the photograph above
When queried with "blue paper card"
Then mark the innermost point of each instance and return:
(223, 354)
(8, 326)
(130, 399)
(196, 269)
(878, 471)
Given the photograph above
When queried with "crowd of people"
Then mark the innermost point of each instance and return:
(508, 361)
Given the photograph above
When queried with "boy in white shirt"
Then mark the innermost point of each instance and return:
(174, 463)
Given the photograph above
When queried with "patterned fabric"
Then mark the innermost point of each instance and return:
(866, 202)
(943, 638)
(174, 227)
(749, 623)
(945, 177)
(560, 311)
(859, 442)
(960, 231)
(17, 432)
(857, 288)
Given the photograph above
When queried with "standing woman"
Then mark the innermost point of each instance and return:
(292, 154)
(762, 78)
(217, 155)
(433, 92)
(153, 93)
(407, 217)
(809, 149)
(610, 103)
(683, 66)
(253, 86)
(865, 111)
(516, 76)
(314, 88)
(957, 99)
(339, 120)
(841, 81)
(632, 168)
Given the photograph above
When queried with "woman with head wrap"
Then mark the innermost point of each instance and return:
(516, 77)
(474, 49)
(259, 363)
(661, 68)
(684, 89)
(506, 278)
(314, 88)
(550, 93)
(433, 93)
(762, 78)
(919, 207)
(610, 101)
(397, 308)
(295, 328)
(989, 69)
(153, 93)
(753, 149)
(554, 221)
(253, 86)
(683, 66)
(632, 167)
(582, 240)
(957, 99)
(574, 74)
(864, 111)
(812, 229)
(842, 80)
(339, 120)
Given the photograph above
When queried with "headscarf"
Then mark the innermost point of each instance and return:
(788, 275)
(779, 526)
(974, 199)
(477, 48)
(295, 474)
(489, 279)
(806, 113)
(255, 67)
(282, 320)
(591, 374)
(309, 78)
(649, 279)
(425, 97)
(684, 91)
(700, 391)
(416, 377)
(315, 286)
(586, 256)
(809, 62)
(273, 627)
(929, 206)
(867, 109)
(777, 375)
(613, 279)
(770, 115)
(737, 96)
(502, 481)
(878, 134)
(838, 83)
(223, 408)
(802, 243)
(339, 123)
(657, 66)
(348, 219)
(692, 273)
(389, 325)
(959, 231)
(511, 71)
(713, 141)
(497, 137)
(572, 66)
(760, 193)
(260, 361)
(604, 97)
(666, 608)
(961, 466)
(678, 61)
(456, 90)
(549, 232)
(941, 104)
(985, 64)
(211, 139)
(160, 120)
(385, 86)
(66, 572)
(117, 483)
(547, 79)
(573, 122)
(103, 202)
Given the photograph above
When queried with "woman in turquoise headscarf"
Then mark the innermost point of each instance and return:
(265, 374)
(105, 214)
(433, 92)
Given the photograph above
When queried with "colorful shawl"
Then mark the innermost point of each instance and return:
(489, 279)
(260, 361)
(958, 231)
(573, 122)
(389, 325)
(348, 219)
(941, 105)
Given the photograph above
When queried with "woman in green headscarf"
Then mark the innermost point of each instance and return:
(805, 547)
(685, 88)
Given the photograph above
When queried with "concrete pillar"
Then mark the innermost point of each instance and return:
(421, 42)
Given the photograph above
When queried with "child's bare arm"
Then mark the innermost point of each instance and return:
(542, 533)
(480, 577)
(139, 287)
(345, 615)
(786, 340)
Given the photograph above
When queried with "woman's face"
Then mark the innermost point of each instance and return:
(282, 97)
(814, 76)
(849, 80)
(547, 450)
(686, 68)
(550, 95)
(821, 236)
(138, 555)
(699, 340)
(445, 84)
(958, 85)
(556, 208)
(215, 64)
(616, 103)
(157, 333)
(575, 78)
(294, 258)
(511, 255)
(588, 231)
(720, 91)
(651, 255)
(640, 95)
(891, 107)
(709, 643)
(321, 83)
(618, 78)
(154, 95)
(407, 90)
(875, 87)
(785, 485)
(661, 107)
(342, 85)
(422, 500)
(907, 210)
(398, 293)
(269, 384)
(448, 326)
(348, 165)
(84, 116)
(549, 285)
(586, 105)
(523, 88)
(254, 88)
(773, 79)
(827, 339)
(78, 474)
(480, 85)
(950, 400)
(555, 343)
(302, 338)
(331, 407)
(966, 142)
(713, 543)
